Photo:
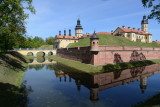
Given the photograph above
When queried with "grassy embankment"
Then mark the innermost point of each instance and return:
(88, 68)
(110, 40)
(12, 67)
(46, 46)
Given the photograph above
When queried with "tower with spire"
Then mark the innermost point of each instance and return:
(144, 24)
(78, 29)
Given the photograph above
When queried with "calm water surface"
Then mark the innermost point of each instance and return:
(53, 85)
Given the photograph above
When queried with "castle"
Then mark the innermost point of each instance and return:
(136, 35)
(61, 41)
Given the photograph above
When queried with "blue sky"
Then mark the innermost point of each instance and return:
(101, 15)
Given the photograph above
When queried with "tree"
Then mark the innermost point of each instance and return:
(12, 21)
(50, 41)
(155, 12)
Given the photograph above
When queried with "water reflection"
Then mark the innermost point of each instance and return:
(104, 81)
(94, 85)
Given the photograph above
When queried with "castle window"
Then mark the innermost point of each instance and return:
(146, 37)
(93, 43)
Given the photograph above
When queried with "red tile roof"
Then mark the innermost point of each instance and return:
(98, 33)
(66, 37)
(157, 42)
(85, 35)
(134, 31)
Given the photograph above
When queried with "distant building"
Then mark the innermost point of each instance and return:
(62, 41)
(156, 42)
(136, 35)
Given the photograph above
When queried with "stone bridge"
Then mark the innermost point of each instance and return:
(34, 51)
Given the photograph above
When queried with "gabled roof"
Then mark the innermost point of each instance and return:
(66, 37)
(134, 31)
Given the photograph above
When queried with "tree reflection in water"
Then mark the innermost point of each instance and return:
(23, 97)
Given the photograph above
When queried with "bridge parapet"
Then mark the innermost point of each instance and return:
(34, 51)
(15, 49)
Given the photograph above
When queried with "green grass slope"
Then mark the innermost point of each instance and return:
(110, 40)
(12, 67)
(46, 46)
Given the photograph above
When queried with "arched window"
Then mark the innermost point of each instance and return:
(93, 43)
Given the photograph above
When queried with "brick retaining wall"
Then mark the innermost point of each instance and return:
(109, 54)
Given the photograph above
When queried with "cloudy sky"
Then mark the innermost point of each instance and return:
(101, 15)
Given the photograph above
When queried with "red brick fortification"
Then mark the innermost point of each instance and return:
(109, 54)
(99, 55)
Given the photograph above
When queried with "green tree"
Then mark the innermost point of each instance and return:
(12, 22)
(155, 5)
(50, 40)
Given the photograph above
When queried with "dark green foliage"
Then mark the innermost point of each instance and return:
(155, 12)
(34, 43)
(126, 65)
(50, 40)
(12, 22)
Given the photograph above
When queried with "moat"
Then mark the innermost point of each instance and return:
(54, 85)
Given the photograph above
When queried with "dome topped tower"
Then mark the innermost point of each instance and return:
(78, 29)
(144, 24)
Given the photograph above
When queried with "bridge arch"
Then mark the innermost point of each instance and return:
(50, 53)
(41, 53)
(30, 53)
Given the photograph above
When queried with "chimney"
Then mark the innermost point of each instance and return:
(123, 26)
(69, 32)
(59, 32)
(112, 32)
(64, 32)
(129, 27)
(134, 28)
(138, 29)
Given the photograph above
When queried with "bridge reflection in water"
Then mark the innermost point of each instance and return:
(99, 82)
(41, 61)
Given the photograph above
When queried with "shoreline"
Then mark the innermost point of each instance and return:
(91, 69)
(12, 71)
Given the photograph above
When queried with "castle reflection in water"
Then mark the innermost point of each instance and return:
(103, 81)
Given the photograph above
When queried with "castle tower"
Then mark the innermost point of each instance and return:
(78, 29)
(94, 93)
(143, 84)
(94, 41)
(144, 24)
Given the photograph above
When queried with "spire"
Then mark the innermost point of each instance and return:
(144, 20)
(94, 36)
(78, 26)
(78, 22)
(94, 32)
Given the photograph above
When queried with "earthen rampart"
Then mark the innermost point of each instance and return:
(100, 55)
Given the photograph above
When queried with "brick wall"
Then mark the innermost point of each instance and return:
(109, 54)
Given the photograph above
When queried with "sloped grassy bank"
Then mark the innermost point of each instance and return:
(110, 40)
(12, 67)
(88, 68)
